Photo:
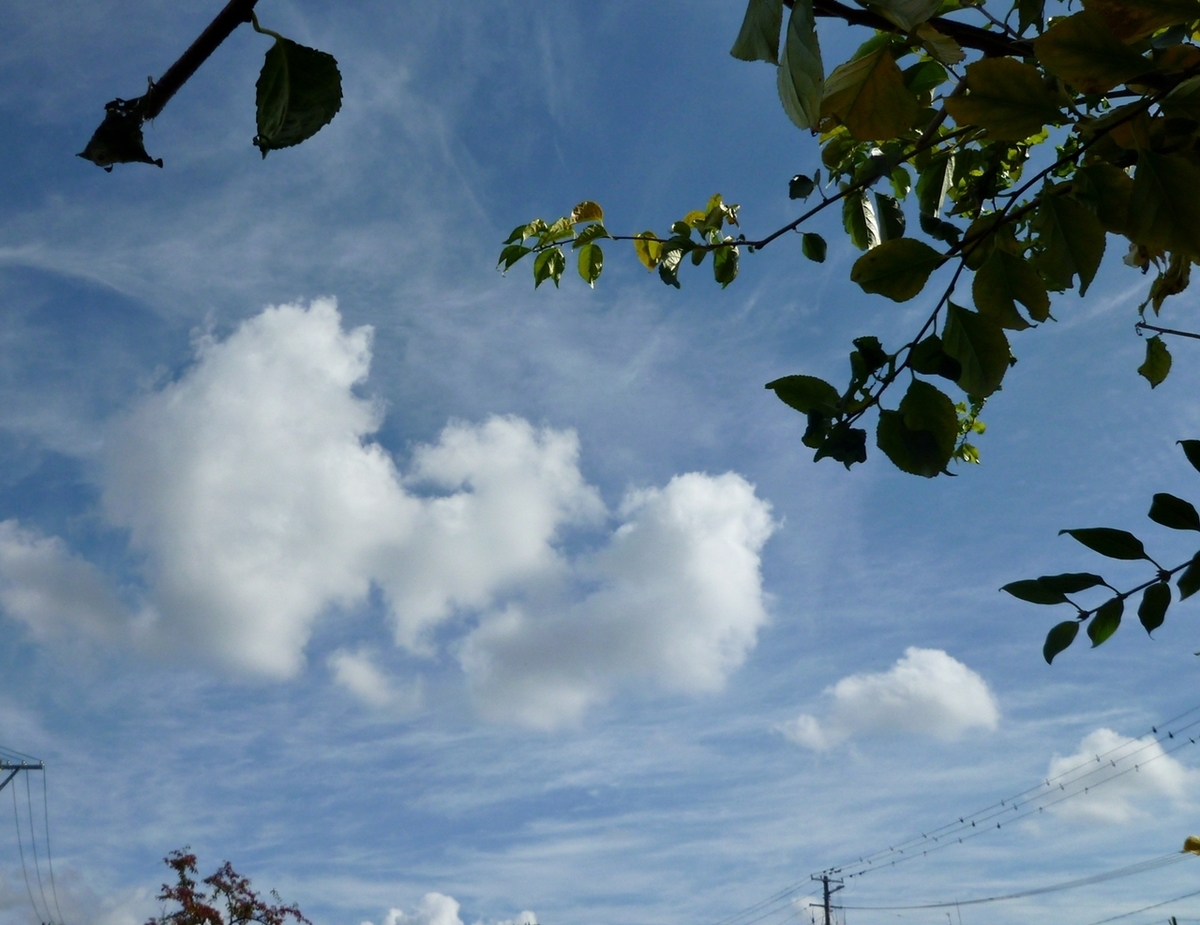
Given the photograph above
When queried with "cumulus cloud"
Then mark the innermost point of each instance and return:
(1112, 776)
(677, 600)
(435, 909)
(926, 692)
(257, 501)
(53, 592)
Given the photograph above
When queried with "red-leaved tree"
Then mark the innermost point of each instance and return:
(225, 888)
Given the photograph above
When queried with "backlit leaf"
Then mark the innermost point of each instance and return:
(725, 265)
(1109, 188)
(758, 39)
(1008, 98)
(1189, 582)
(1072, 241)
(549, 264)
(1002, 281)
(1115, 544)
(813, 247)
(1191, 449)
(1157, 363)
(891, 217)
(897, 269)
(800, 187)
(801, 76)
(806, 394)
(933, 183)
(648, 249)
(1132, 20)
(591, 262)
(979, 345)
(907, 14)
(1164, 208)
(1105, 621)
(940, 46)
(860, 221)
(1059, 638)
(868, 96)
(587, 211)
(1081, 50)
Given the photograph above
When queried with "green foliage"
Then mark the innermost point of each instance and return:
(299, 91)
(1103, 621)
(996, 163)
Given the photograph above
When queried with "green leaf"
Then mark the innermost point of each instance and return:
(549, 265)
(1173, 512)
(1153, 609)
(859, 220)
(299, 91)
(1184, 101)
(907, 14)
(801, 187)
(933, 183)
(801, 76)
(844, 444)
(930, 359)
(1033, 591)
(813, 247)
(1132, 20)
(1191, 449)
(940, 46)
(1158, 362)
(1008, 98)
(979, 345)
(868, 96)
(897, 269)
(725, 265)
(920, 437)
(648, 249)
(1164, 208)
(591, 262)
(1110, 189)
(806, 394)
(1071, 582)
(1002, 281)
(512, 254)
(1058, 639)
(758, 39)
(1115, 544)
(891, 217)
(1081, 50)
(924, 77)
(1105, 621)
(1072, 242)
(1189, 582)
(591, 233)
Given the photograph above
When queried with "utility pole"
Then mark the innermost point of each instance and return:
(16, 767)
(827, 891)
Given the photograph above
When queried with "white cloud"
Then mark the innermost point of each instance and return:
(54, 592)
(435, 909)
(926, 692)
(1133, 771)
(257, 502)
(357, 672)
(677, 600)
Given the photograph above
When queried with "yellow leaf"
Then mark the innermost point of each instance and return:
(587, 211)
(1191, 844)
(868, 96)
(941, 47)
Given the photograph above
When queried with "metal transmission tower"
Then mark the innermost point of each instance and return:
(827, 891)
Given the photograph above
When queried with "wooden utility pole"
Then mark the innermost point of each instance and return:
(827, 891)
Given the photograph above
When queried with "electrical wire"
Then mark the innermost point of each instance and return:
(24, 869)
(37, 866)
(49, 856)
(1165, 902)
(1142, 867)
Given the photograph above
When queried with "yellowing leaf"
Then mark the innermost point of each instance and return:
(868, 96)
(907, 14)
(897, 269)
(648, 249)
(1158, 362)
(587, 211)
(1081, 50)
(1133, 20)
(1008, 98)
(801, 75)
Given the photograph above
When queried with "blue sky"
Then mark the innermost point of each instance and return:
(427, 598)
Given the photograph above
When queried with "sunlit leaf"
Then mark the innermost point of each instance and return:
(860, 221)
(1157, 365)
(758, 39)
(940, 46)
(897, 269)
(648, 249)
(549, 264)
(591, 262)
(868, 96)
(725, 265)
(1105, 621)
(587, 211)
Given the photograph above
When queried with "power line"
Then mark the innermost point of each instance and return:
(1142, 867)
(49, 856)
(21, 851)
(1165, 902)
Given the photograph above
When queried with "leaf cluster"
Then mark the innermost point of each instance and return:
(228, 900)
(993, 146)
(1104, 620)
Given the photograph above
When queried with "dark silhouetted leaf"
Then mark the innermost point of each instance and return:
(891, 217)
(299, 92)
(1002, 281)
(1033, 591)
(1105, 621)
(907, 14)
(1164, 208)
(1082, 51)
(800, 187)
(897, 269)
(1191, 449)
(1132, 20)
(1058, 639)
(1174, 512)
(920, 437)
(979, 345)
(845, 444)
(1072, 242)
(1071, 582)
(1189, 582)
(1115, 544)
(868, 96)
(806, 393)
(930, 359)
(1153, 608)
(118, 139)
